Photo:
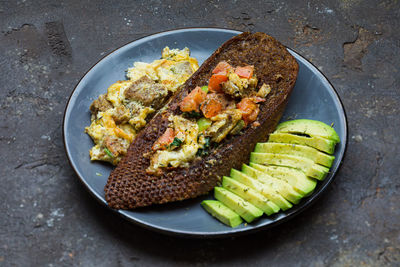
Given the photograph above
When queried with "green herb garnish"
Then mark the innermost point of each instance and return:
(108, 152)
(176, 143)
(205, 150)
(207, 142)
(202, 152)
(192, 114)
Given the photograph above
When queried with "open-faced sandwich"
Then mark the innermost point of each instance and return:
(234, 100)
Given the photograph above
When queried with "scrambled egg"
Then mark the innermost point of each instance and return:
(111, 141)
(173, 69)
(223, 124)
(239, 87)
(187, 131)
(119, 114)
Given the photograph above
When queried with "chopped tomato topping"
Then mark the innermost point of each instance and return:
(214, 85)
(249, 110)
(223, 67)
(199, 95)
(188, 105)
(193, 100)
(164, 140)
(212, 106)
(245, 72)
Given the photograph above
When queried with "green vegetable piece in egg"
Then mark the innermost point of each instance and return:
(108, 152)
(203, 124)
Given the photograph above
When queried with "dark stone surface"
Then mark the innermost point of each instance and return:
(48, 218)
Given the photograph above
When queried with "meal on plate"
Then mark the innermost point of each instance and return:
(211, 125)
(125, 109)
(281, 172)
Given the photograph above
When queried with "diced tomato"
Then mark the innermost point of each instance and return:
(164, 140)
(245, 72)
(214, 85)
(188, 105)
(249, 110)
(222, 66)
(198, 95)
(213, 105)
(193, 100)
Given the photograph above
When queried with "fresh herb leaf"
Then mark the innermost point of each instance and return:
(176, 143)
(205, 150)
(192, 114)
(202, 152)
(207, 142)
(108, 152)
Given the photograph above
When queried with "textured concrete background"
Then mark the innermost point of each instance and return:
(48, 218)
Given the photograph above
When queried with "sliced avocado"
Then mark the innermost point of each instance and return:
(296, 150)
(282, 187)
(267, 191)
(300, 182)
(318, 172)
(245, 209)
(317, 142)
(250, 195)
(224, 214)
(306, 165)
(309, 127)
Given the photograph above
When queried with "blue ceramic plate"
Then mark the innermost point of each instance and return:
(313, 97)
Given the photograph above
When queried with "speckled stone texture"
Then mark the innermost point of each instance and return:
(47, 218)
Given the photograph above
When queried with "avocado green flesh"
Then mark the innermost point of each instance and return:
(249, 195)
(224, 214)
(245, 209)
(309, 127)
(300, 182)
(267, 191)
(280, 172)
(318, 172)
(320, 143)
(283, 188)
(306, 165)
(296, 150)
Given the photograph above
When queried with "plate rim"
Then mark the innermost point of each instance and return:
(232, 231)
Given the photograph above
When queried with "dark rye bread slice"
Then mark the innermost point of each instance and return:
(129, 186)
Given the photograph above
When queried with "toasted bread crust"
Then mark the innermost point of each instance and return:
(129, 186)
